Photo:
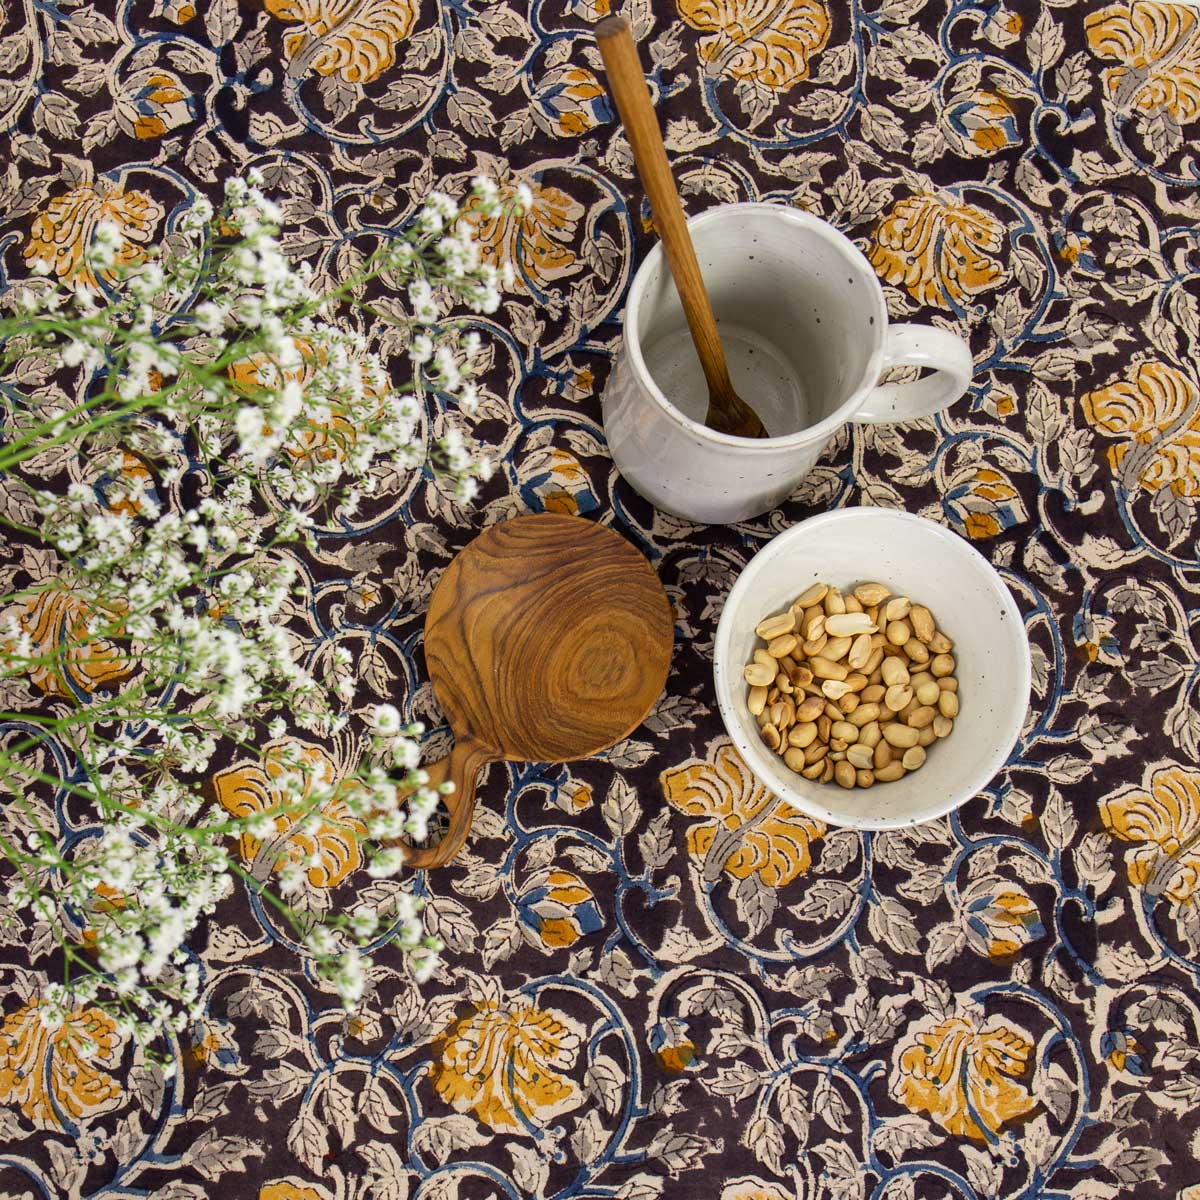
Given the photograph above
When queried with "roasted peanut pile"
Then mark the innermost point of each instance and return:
(852, 689)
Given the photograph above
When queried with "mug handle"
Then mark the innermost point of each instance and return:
(946, 354)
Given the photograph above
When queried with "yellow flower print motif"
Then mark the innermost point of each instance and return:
(1072, 247)
(748, 830)
(508, 1065)
(355, 39)
(1163, 820)
(1123, 1052)
(569, 101)
(589, 10)
(984, 121)
(1157, 47)
(537, 243)
(941, 250)
(62, 1074)
(771, 42)
(676, 1058)
(123, 481)
(292, 1188)
(966, 1076)
(558, 907)
(249, 787)
(1000, 401)
(750, 1187)
(330, 440)
(211, 1042)
(1003, 27)
(554, 480)
(178, 11)
(1000, 919)
(572, 797)
(61, 235)
(72, 662)
(983, 502)
(153, 102)
(1154, 414)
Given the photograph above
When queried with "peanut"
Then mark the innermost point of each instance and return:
(774, 627)
(921, 620)
(940, 643)
(900, 737)
(783, 646)
(861, 756)
(824, 668)
(870, 594)
(836, 648)
(802, 736)
(852, 688)
(849, 624)
(921, 717)
(811, 596)
(860, 651)
(916, 651)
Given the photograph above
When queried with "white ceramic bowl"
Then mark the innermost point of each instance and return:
(934, 567)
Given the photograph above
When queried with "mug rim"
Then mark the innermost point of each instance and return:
(824, 428)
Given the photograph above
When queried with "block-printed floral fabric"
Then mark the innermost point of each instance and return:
(660, 979)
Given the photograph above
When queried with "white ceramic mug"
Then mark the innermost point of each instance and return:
(804, 326)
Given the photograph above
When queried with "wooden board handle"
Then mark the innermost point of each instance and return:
(627, 83)
(461, 766)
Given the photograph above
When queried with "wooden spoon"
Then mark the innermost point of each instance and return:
(727, 411)
(548, 639)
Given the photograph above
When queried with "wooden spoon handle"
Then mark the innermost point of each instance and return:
(627, 82)
(461, 766)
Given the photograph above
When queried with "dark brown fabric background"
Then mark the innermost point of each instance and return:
(1003, 1003)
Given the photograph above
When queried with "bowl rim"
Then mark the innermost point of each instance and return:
(756, 755)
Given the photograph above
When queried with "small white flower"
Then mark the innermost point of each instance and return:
(386, 719)
(423, 963)
(209, 317)
(386, 863)
(420, 298)
(420, 350)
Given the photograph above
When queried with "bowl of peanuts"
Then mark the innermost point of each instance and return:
(872, 668)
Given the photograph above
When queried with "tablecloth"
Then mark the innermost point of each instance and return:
(659, 981)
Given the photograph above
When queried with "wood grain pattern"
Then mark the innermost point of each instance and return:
(727, 411)
(547, 639)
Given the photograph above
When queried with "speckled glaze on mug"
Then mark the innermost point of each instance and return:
(804, 326)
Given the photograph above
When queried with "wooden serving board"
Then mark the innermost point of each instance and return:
(547, 639)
